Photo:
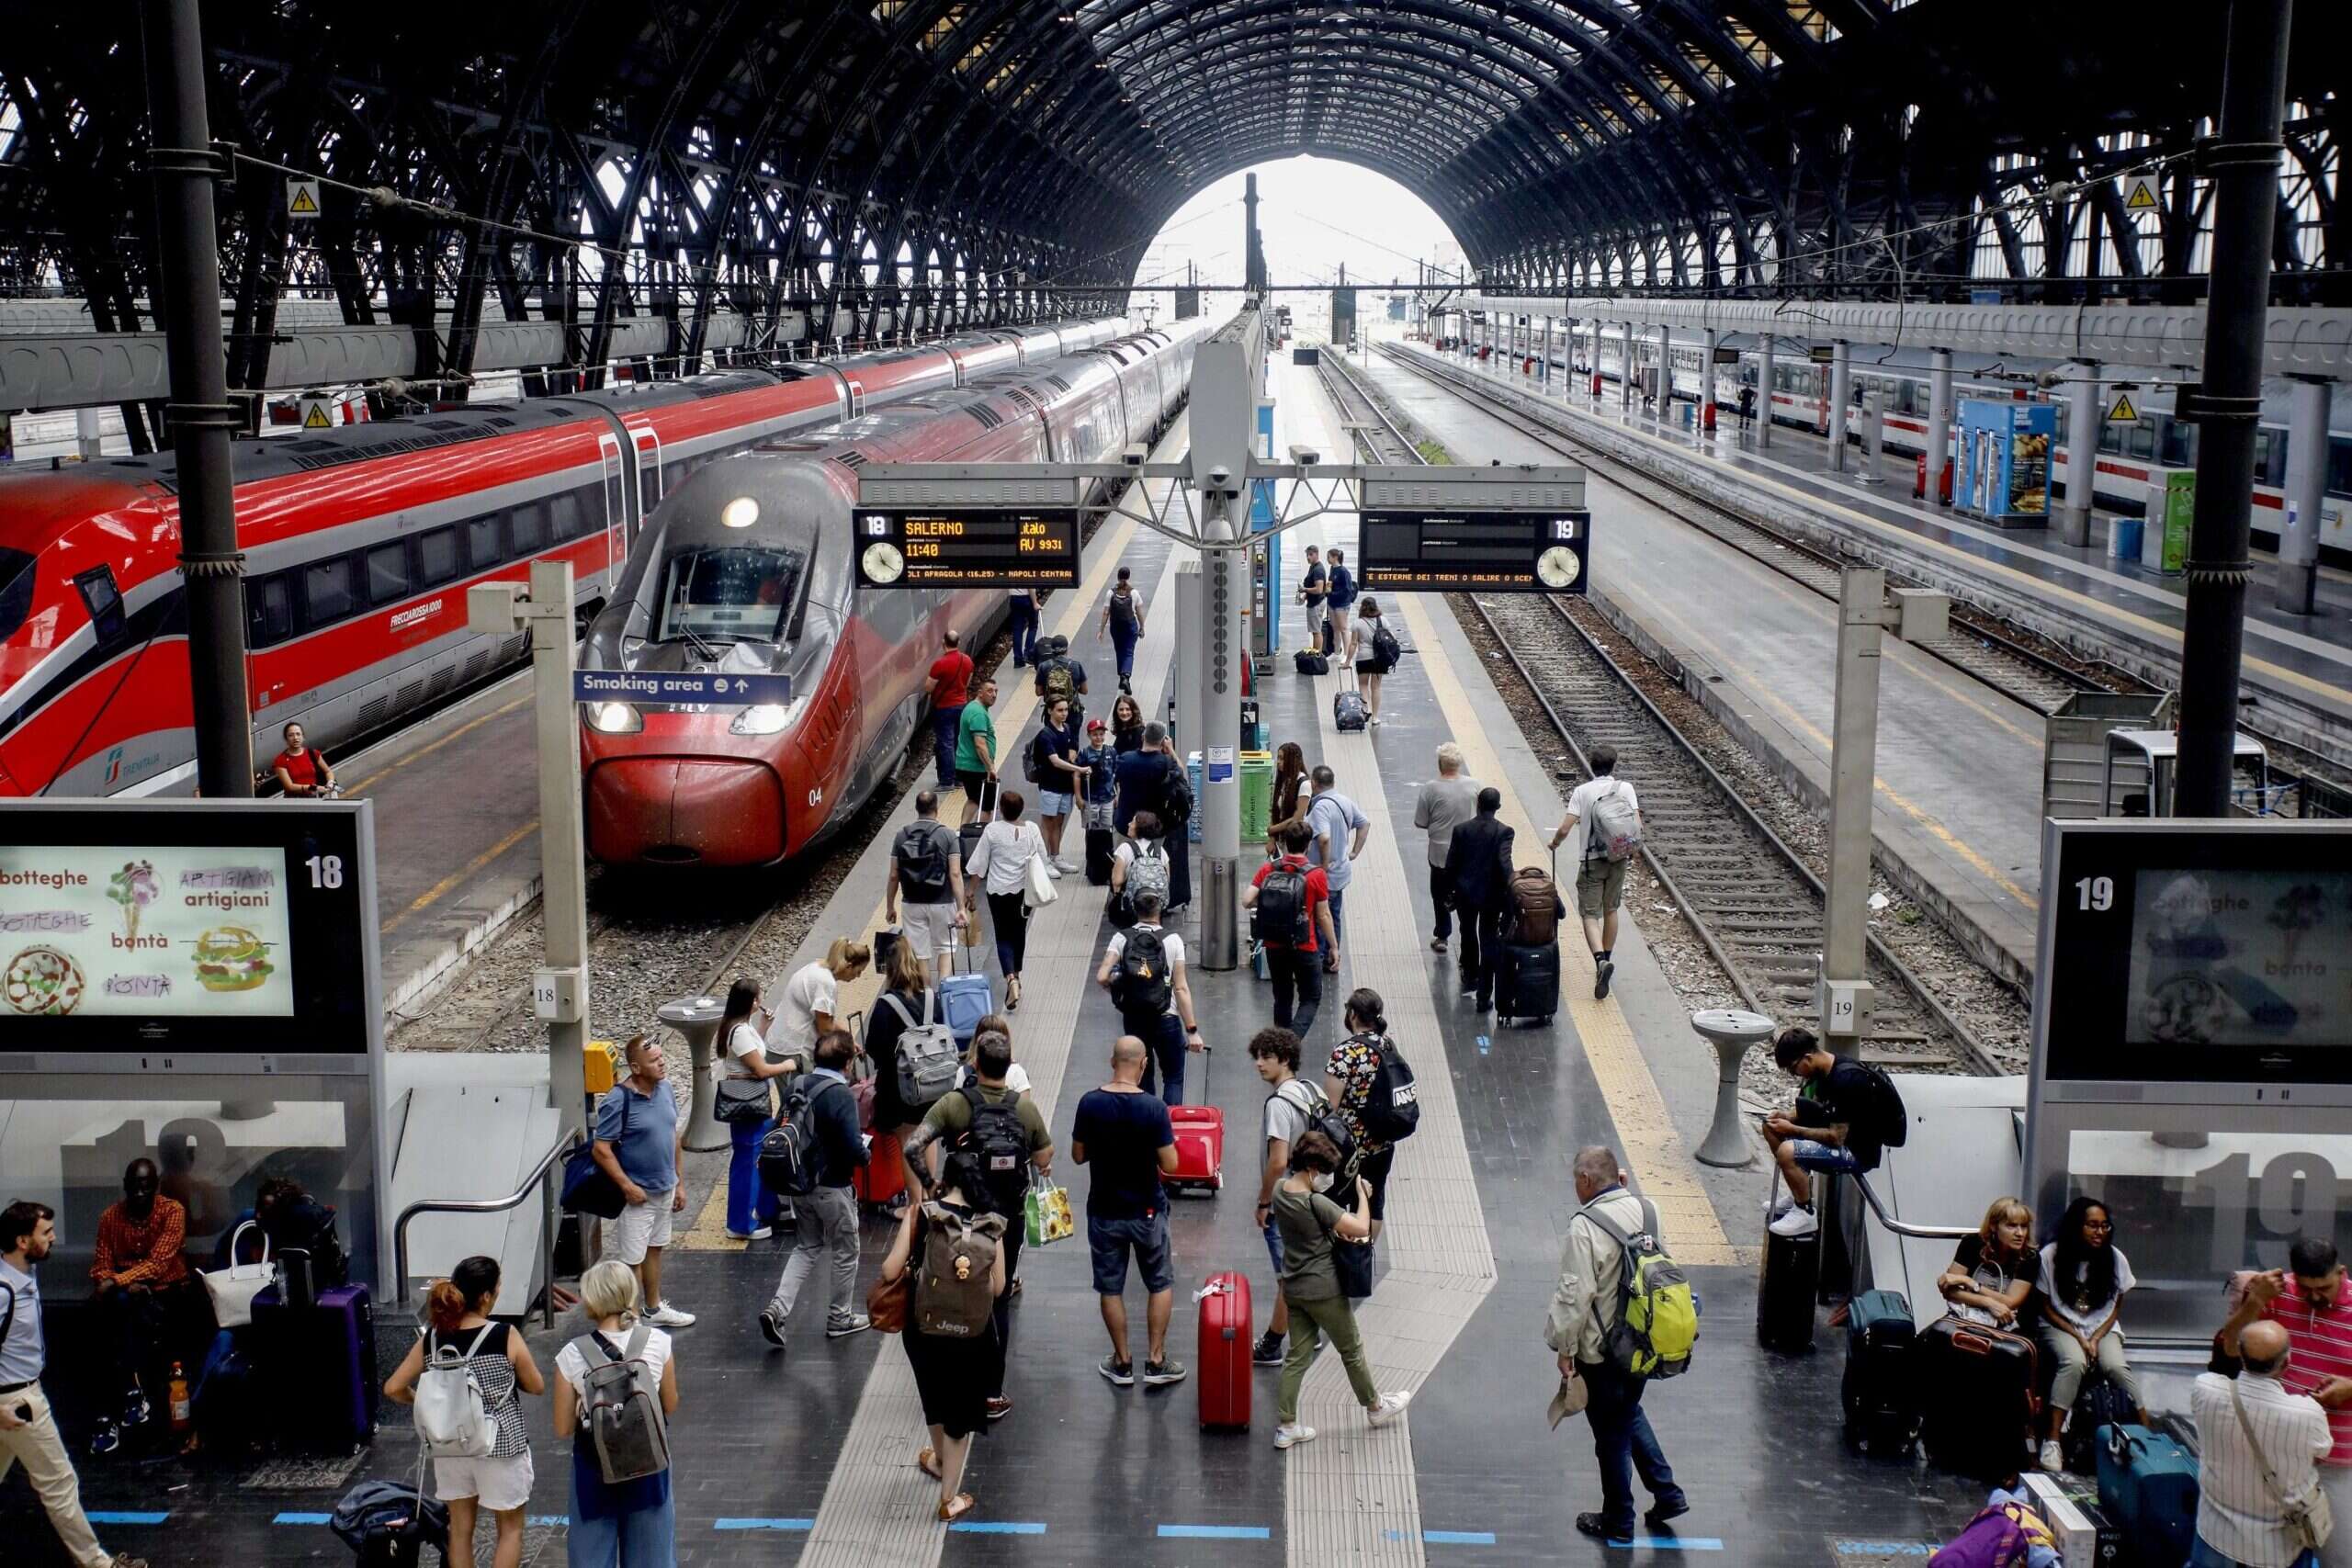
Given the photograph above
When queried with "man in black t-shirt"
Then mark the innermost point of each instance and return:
(1832, 1127)
(1124, 1139)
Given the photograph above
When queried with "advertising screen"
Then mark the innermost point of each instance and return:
(2225, 956)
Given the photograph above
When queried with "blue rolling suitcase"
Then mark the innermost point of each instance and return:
(964, 999)
(1881, 1388)
(2147, 1483)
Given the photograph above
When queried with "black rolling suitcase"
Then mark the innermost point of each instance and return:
(1881, 1388)
(1527, 981)
(1101, 844)
(1784, 1292)
(317, 1368)
(1979, 1383)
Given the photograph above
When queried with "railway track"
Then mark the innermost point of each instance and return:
(1754, 904)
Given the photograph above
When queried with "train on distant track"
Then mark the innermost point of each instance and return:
(360, 543)
(748, 568)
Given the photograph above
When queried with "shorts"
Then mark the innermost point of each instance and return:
(930, 928)
(501, 1485)
(638, 1227)
(1368, 667)
(1275, 1247)
(1600, 888)
(1052, 805)
(972, 781)
(1821, 1156)
(1112, 1240)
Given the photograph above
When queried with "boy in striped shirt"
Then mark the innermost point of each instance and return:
(2310, 1300)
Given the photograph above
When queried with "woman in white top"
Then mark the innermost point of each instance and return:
(2085, 1278)
(810, 997)
(743, 1048)
(1002, 862)
(626, 1524)
(1369, 669)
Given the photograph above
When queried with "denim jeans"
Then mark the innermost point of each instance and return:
(1025, 630)
(1163, 1057)
(1125, 642)
(748, 1206)
(1339, 932)
(942, 743)
(1302, 973)
(828, 1234)
(646, 1539)
(1624, 1444)
(2204, 1556)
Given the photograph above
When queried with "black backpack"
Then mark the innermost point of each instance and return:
(922, 868)
(1175, 799)
(1391, 1107)
(1141, 984)
(1890, 1120)
(1322, 1118)
(1384, 646)
(1280, 913)
(792, 1157)
(1001, 1144)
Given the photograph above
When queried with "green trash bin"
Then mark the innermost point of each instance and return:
(1257, 796)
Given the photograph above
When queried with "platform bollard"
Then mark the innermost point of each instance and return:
(1731, 1033)
(696, 1021)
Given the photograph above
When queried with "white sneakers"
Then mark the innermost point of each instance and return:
(1291, 1436)
(1055, 869)
(1391, 1405)
(1794, 1224)
(668, 1316)
(2054, 1458)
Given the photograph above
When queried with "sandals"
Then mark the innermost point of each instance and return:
(928, 1462)
(956, 1507)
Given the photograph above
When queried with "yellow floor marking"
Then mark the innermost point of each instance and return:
(1646, 1133)
(468, 728)
(709, 1233)
(440, 889)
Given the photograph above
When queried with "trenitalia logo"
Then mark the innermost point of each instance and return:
(416, 613)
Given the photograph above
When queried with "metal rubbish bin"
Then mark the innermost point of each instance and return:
(696, 1021)
(1257, 794)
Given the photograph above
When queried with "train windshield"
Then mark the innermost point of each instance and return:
(16, 590)
(725, 595)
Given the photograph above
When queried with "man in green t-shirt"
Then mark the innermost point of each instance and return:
(976, 747)
(973, 1121)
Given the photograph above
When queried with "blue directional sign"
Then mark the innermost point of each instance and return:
(677, 686)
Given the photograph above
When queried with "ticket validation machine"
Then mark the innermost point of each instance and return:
(2192, 1050)
(192, 981)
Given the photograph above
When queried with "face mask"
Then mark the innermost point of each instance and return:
(1322, 1181)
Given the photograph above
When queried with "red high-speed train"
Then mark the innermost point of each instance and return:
(360, 543)
(747, 568)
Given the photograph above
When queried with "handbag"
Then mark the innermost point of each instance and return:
(2309, 1516)
(1040, 891)
(1046, 1216)
(886, 1303)
(233, 1289)
(744, 1102)
(586, 1189)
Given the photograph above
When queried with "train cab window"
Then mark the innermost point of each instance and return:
(485, 547)
(328, 595)
(16, 590)
(726, 594)
(436, 557)
(2177, 442)
(2144, 440)
(530, 526)
(103, 601)
(270, 609)
(387, 576)
(2339, 482)
(2266, 448)
(2109, 439)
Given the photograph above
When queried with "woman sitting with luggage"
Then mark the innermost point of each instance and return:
(1307, 1223)
(742, 1046)
(1992, 1273)
(615, 1524)
(2084, 1279)
(950, 1331)
(493, 1354)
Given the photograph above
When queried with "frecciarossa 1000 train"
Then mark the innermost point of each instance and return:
(360, 543)
(748, 567)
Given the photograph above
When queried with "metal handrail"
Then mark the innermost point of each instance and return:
(1900, 1227)
(539, 1178)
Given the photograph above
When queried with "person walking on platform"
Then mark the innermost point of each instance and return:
(1288, 1109)
(1097, 791)
(2258, 1444)
(1347, 1080)
(827, 1236)
(1122, 620)
(1598, 809)
(950, 688)
(907, 991)
(1000, 866)
(1290, 913)
(1583, 1309)
(1371, 646)
(1152, 779)
(1478, 864)
(140, 1290)
(951, 1334)
(1125, 1138)
(2312, 1300)
(1341, 599)
(28, 1431)
(1060, 777)
(1059, 678)
(302, 768)
(1313, 591)
(1447, 801)
(615, 1524)
(1143, 968)
(1302, 1224)
(1024, 622)
(976, 749)
(1340, 830)
(498, 1360)
(742, 1045)
(926, 877)
(639, 1142)
(1290, 799)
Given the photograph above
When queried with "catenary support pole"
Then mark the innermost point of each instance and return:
(1626, 364)
(2307, 459)
(184, 167)
(2083, 416)
(1939, 422)
(1764, 391)
(1841, 381)
(2244, 164)
(1853, 767)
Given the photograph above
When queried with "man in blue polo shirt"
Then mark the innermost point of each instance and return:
(637, 1145)
(1340, 830)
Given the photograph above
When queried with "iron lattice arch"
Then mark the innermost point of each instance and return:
(828, 166)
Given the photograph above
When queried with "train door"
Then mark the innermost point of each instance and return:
(647, 443)
(856, 397)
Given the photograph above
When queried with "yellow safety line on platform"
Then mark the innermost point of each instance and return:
(1647, 1137)
(440, 889)
(388, 769)
(709, 1233)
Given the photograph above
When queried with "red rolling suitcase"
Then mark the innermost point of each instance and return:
(883, 1174)
(1200, 1148)
(1224, 1360)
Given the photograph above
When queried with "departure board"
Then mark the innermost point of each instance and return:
(1487, 552)
(970, 549)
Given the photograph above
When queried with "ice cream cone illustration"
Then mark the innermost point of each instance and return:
(2296, 912)
(134, 888)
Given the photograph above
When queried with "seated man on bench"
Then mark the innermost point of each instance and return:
(143, 1289)
(1832, 1127)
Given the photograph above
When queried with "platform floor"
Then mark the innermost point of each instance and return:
(807, 1456)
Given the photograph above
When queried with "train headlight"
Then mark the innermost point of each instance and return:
(614, 718)
(740, 513)
(766, 718)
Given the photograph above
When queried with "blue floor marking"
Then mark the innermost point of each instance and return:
(763, 1524)
(1215, 1532)
(302, 1518)
(126, 1517)
(1672, 1542)
(1458, 1538)
(968, 1527)
(1482, 1045)
(549, 1519)
(1882, 1548)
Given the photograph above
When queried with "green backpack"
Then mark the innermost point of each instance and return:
(1658, 1317)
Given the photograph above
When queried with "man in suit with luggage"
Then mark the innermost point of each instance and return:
(1583, 1309)
(28, 1431)
(1478, 868)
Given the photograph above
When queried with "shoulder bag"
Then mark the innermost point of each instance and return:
(1040, 890)
(587, 1189)
(233, 1289)
(2309, 1516)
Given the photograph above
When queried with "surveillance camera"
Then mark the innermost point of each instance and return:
(1306, 456)
(1134, 455)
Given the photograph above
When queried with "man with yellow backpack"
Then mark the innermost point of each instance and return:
(1622, 1314)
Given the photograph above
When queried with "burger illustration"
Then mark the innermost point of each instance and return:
(231, 958)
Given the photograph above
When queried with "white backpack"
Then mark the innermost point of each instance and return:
(452, 1417)
(1616, 825)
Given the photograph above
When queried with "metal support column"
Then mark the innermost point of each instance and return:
(1228, 370)
(2307, 445)
(1664, 373)
(185, 166)
(2083, 420)
(1190, 611)
(86, 440)
(1873, 470)
(2244, 164)
(1939, 422)
(1707, 348)
(1853, 764)
(1842, 373)
(1764, 391)
(1543, 365)
(1625, 381)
